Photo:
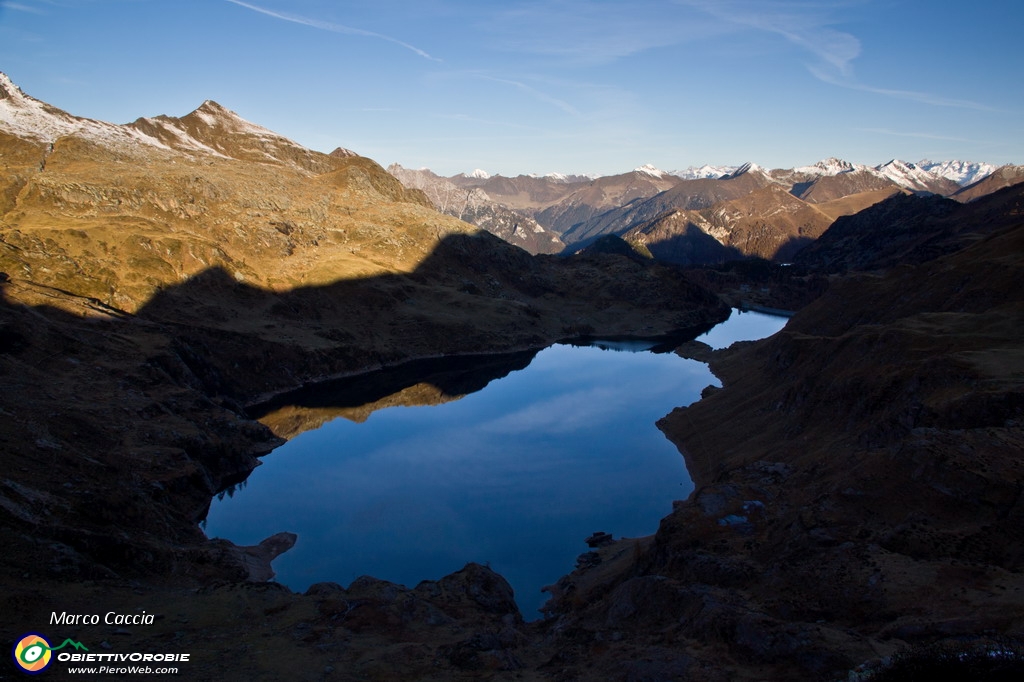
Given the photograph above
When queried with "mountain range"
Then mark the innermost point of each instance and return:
(695, 216)
(745, 210)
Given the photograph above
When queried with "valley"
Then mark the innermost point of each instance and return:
(166, 282)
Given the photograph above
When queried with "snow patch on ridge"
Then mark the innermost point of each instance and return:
(962, 173)
(26, 117)
(648, 169)
(830, 166)
(705, 172)
(749, 167)
(216, 116)
(906, 174)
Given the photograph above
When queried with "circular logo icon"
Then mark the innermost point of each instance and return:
(32, 653)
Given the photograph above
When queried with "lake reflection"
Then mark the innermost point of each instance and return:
(515, 475)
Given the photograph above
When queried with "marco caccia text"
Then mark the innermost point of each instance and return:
(110, 618)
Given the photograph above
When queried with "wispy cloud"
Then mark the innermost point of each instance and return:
(18, 7)
(587, 33)
(518, 84)
(810, 26)
(806, 25)
(332, 27)
(535, 93)
(912, 95)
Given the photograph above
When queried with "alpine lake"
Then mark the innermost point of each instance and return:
(509, 460)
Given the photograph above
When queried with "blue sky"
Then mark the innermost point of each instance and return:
(595, 86)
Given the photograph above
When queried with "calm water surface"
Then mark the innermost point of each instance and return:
(515, 475)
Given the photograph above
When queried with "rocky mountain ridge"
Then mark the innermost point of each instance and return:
(476, 207)
(209, 130)
(631, 204)
(962, 173)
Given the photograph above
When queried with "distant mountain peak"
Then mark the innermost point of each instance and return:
(899, 164)
(962, 173)
(480, 174)
(915, 178)
(829, 166)
(648, 169)
(704, 172)
(748, 167)
(905, 174)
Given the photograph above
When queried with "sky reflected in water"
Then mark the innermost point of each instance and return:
(743, 326)
(514, 476)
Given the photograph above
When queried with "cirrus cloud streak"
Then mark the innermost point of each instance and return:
(332, 27)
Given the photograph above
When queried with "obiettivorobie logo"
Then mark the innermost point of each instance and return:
(33, 653)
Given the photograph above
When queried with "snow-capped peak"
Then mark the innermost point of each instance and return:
(8, 90)
(829, 166)
(25, 116)
(565, 178)
(648, 169)
(575, 177)
(705, 171)
(210, 130)
(479, 174)
(749, 167)
(906, 174)
(216, 115)
(962, 173)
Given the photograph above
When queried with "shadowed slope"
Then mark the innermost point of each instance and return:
(857, 484)
(909, 229)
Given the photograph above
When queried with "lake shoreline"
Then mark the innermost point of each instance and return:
(644, 384)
